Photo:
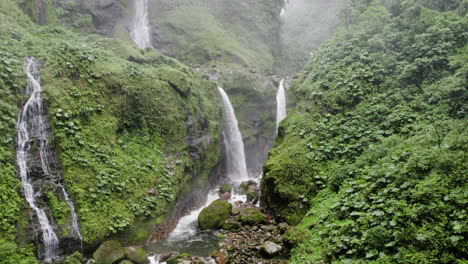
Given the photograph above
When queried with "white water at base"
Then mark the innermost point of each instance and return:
(236, 166)
(187, 226)
(154, 259)
(31, 115)
(140, 32)
(280, 104)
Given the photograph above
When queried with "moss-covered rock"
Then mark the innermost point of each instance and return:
(220, 256)
(179, 259)
(225, 188)
(251, 216)
(109, 252)
(177, 80)
(136, 254)
(126, 261)
(231, 224)
(253, 194)
(214, 215)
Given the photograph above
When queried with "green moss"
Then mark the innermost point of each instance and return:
(214, 215)
(119, 126)
(109, 252)
(251, 216)
(225, 188)
(137, 255)
(365, 166)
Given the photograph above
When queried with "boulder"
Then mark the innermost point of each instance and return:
(231, 225)
(225, 188)
(214, 215)
(220, 256)
(109, 252)
(253, 194)
(271, 249)
(136, 254)
(251, 216)
(179, 259)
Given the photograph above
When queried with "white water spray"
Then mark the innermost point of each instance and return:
(140, 32)
(154, 259)
(187, 226)
(236, 166)
(280, 104)
(31, 126)
(31, 115)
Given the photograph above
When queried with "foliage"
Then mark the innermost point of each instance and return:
(377, 143)
(120, 130)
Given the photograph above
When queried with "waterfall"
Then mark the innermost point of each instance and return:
(32, 127)
(237, 168)
(280, 104)
(153, 258)
(140, 32)
(41, 11)
(75, 228)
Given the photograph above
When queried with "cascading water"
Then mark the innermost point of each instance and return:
(187, 237)
(236, 166)
(283, 10)
(31, 127)
(140, 32)
(280, 104)
(31, 114)
(75, 228)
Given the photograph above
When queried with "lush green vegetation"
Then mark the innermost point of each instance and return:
(372, 163)
(120, 118)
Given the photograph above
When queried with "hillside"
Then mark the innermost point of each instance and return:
(371, 165)
(119, 117)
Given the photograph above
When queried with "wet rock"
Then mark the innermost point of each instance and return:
(137, 255)
(214, 215)
(268, 227)
(220, 256)
(271, 249)
(231, 225)
(236, 210)
(252, 216)
(225, 188)
(253, 194)
(109, 252)
(180, 259)
(225, 196)
(167, 256)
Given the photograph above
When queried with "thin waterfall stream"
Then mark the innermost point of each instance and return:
(280, 104)
(32, 127)
(141, 30)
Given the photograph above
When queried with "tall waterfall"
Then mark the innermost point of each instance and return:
(140, 32)
(280, 104)
(31, 128)
(237, 168)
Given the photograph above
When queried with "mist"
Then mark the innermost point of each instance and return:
(306, 24)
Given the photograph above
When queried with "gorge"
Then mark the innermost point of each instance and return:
(338, 136)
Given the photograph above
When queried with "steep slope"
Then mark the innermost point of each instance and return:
(371, 164)
(133, 131)
(236, 43)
